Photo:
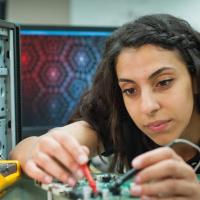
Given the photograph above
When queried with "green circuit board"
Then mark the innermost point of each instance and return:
(82, 191)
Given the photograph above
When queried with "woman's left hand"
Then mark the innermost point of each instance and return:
(164, 175)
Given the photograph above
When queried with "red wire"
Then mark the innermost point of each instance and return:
(89, 177)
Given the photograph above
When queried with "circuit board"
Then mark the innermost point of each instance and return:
(82, 191)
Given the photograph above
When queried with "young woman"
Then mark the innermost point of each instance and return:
(145, 95)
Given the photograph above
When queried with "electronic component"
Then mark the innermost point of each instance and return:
(82, 190)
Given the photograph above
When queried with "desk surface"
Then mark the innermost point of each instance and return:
(24, 189)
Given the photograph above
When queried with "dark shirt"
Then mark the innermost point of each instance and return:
(194, 161)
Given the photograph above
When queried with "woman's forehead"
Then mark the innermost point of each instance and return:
(148, 51)
(146, 60)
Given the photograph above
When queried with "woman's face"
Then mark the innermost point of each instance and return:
(157, 91)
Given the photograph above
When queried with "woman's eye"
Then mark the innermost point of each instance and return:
(165, 83)
(129, 91)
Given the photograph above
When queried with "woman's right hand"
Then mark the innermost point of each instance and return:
(55, 154)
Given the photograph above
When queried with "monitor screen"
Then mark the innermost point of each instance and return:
(57, 66)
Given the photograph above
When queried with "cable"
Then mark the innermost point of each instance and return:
(89, 177)
(114, 188)
(184, 141)
(129, 174)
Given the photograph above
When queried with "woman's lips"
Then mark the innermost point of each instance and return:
(158, 126)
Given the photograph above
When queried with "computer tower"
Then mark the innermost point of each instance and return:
(10, 119)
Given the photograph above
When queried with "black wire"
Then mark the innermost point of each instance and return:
(129, 174)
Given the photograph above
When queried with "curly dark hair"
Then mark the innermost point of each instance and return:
(102, 106)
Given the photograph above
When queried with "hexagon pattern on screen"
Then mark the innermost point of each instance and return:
(56, 70)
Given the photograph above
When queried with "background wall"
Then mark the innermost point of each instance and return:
(97, 12)
(38, 11)
(116, 12)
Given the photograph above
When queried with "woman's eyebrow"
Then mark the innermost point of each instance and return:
(125, 80)
(159, 71)
(156, 73)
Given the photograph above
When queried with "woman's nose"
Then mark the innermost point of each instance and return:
(149, 103)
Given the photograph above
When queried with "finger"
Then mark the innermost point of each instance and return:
(60, 154)
(53, 168)
(166, 188)
(86, 149)
(34, 172)
(72, 146)
(165, 169)
(154, 156)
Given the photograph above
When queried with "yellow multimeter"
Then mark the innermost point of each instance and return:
(9, 173)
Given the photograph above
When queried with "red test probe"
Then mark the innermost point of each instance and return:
(89, 177)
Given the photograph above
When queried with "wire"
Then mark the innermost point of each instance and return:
(129, 174)
(89, 177)
(133, 171)
(184, 141)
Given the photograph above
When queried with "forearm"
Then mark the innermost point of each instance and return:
(60, 149)
(81, 130)
(85, 135)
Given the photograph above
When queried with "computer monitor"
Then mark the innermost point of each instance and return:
(57, 66)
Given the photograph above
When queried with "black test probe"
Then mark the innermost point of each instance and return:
(114, 188)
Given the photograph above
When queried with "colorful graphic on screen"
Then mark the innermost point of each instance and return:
(57, 67)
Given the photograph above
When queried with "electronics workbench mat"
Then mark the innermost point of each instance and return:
(27, 189)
